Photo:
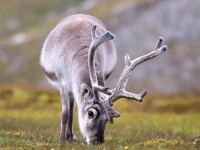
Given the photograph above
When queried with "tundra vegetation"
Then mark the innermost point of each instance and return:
(29, 118)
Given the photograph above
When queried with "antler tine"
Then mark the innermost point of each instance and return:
(96, 41)
(119, 91)
(159, 43)
(103, 38)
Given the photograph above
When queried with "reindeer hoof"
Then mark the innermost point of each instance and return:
(62, 139)
(70, 138)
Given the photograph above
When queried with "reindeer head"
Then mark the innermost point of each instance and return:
(98, 99)
(93, 119)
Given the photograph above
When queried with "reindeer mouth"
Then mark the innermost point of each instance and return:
(94, 140)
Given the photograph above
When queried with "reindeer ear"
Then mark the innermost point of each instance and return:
(85, 90)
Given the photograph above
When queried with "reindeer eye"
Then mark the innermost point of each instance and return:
(85, 90)
(92, 113)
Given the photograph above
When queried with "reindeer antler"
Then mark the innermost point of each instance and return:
(107, 97)
(119, 91)
(101, 93)
(96, 41)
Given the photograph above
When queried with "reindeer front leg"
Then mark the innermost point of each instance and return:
(66, 133)
(70, 137)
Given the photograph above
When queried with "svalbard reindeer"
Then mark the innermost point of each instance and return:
(77, 57)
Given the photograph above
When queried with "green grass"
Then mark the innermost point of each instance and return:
(30, 118)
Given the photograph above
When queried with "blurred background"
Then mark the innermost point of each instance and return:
(137, 25)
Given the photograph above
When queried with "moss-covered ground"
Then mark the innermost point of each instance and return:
(30, 119)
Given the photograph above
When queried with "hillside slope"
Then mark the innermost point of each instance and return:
(136, 24)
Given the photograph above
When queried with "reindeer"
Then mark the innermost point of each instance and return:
(77, 57)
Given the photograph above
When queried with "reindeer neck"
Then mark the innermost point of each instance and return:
(82, 76)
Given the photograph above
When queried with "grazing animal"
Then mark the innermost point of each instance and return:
(77, 57)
